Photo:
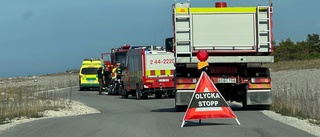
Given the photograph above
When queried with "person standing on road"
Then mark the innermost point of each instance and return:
(100, 79)
(106, 75)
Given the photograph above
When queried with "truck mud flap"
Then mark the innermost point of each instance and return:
(259, 97)
(183, 97)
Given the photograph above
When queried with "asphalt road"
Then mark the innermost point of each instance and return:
(148, 118)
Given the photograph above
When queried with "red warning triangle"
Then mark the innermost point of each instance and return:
(207, 102)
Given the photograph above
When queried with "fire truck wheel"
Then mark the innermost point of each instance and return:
(144, 96)
(124, 93)
(133, 92)
(138, 94)
(158, 95)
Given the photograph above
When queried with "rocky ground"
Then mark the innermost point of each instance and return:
(297, 77)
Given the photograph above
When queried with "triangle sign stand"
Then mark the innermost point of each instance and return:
(207, 103)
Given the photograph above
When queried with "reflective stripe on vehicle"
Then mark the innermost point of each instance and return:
(186, 86)
(259, 86)
(157, 73)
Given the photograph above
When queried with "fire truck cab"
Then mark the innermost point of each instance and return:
(118, 55)
(106, 57)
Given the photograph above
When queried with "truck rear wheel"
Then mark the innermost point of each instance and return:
(170, 94)
(244, 100)
(158, 95)
(181, 108)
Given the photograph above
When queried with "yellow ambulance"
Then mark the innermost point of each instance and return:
(88, 73)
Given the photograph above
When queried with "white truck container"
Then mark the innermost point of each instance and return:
(237, 39)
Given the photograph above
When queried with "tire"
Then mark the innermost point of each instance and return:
(158, 95)
(138, 94)
(170, 94)
(244, 101)
(133, 92)
(244, 105)
(144, 97)
(181, 108)
(124, 93)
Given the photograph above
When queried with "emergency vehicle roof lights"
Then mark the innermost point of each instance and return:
(134, 47)
(221, 4)
(127, 46)
(202, 56)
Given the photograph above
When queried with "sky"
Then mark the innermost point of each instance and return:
(47, 36)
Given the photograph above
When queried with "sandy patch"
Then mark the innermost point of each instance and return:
(77, 108)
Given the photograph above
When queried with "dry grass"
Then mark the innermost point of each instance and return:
(30, 101)
(293, 100)
(294, 65)
(297, 99)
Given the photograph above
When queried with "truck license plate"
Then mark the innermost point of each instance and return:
(163, 80)
(227, 80)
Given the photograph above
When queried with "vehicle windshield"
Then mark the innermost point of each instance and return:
(121, 57)
(106, 57)
(89, 71)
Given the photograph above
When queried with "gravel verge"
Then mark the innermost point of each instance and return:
(295, 122)
(77, 108)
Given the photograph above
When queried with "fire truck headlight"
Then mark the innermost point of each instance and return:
(145, 86)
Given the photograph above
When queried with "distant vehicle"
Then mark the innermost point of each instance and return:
(106, 57)
(118, 55)
(148, 71)
(231, 42)
(88, 73)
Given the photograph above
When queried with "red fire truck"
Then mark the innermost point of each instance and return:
(149, 71)
(117, 55)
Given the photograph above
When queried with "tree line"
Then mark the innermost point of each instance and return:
(287, 50)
